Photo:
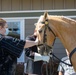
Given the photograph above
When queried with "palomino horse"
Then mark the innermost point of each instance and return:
(50, 27)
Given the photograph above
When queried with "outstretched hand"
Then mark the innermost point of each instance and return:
(37, 41)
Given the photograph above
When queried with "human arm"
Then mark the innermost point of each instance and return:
(12, 46)
(30, 43)
(15, 46)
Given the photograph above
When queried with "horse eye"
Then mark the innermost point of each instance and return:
(40, 31)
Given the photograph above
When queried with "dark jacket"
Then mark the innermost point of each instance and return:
(35, 67)
(10, 49)
(33, 48)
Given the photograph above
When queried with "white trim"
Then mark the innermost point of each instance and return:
(33, 11)
(20, 18)
(22, 30)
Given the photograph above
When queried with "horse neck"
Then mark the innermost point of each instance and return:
(65, 31)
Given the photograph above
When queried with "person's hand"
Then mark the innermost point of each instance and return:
(31, 55)
(36, 41)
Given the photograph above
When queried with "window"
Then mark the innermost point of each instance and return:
(16, 29)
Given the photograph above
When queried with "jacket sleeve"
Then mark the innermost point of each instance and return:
(12, 45)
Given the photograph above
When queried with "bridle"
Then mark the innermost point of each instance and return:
(45, 40)
(46, 23)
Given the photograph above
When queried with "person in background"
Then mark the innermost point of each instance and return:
(10, 49)
(32, 68)
(64, 69)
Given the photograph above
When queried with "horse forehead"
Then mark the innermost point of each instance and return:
(38, 27)
(41, 18)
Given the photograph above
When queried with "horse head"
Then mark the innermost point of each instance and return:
(44, 32)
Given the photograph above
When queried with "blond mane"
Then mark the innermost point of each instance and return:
(62, 17)
(56, 17)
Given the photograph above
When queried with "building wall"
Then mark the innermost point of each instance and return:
(29, 26)
(19, 5)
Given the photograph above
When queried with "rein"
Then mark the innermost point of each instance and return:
(59, 59)
(74, 50)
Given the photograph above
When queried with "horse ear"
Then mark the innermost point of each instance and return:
(45, 15)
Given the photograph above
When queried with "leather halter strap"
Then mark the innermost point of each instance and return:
(74, 50)
(49, 28)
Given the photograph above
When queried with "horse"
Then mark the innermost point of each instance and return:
(48, 27)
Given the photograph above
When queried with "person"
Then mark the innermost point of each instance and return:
(10, 49)
(35, 67)
(35, 60)
(64, 69)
